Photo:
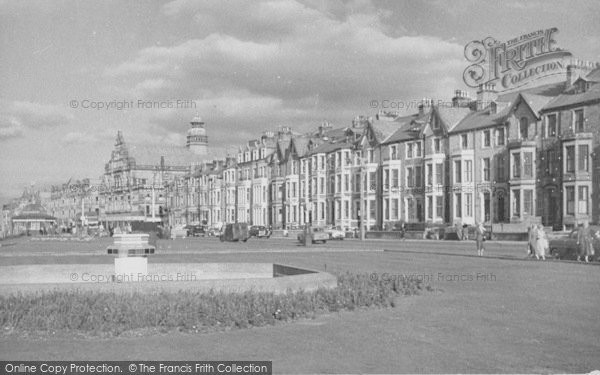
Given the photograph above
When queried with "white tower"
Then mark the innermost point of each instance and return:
(197, 140)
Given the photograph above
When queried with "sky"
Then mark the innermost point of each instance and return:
(243, 66)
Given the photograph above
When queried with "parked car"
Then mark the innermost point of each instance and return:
(214, 232)
(195, 230)
(235, 232)
(259, 231)
(336, 233)
(318, 234)
(178, 231)
(566, 247)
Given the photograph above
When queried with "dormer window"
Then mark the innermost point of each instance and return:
(493, 108)
(464, 141)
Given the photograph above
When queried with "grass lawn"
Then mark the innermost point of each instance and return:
(517, 316)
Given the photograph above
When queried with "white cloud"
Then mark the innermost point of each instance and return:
(17, 116)
(10, 127)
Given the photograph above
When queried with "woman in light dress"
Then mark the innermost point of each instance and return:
(541, 244)
(480, 233)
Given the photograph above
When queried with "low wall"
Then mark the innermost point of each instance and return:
(172, 277)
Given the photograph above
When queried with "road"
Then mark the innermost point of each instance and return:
(497, 313)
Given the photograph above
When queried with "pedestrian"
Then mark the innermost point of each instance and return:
(480, 238)
(403, 230)
(531, 243)
(541, 244)
(584, 242)
(465, 232)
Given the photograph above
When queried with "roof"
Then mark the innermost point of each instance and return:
(536, 102)
(593, 76)
(300, 144)
(33, 217)
(406, 127)
(328, 147)
(570, 99)
(481, 119)
(451, 116)
(173, 155)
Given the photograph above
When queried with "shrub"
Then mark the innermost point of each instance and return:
(114, 313)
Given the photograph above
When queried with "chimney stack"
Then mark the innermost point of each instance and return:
(487, 93)
(461, 99)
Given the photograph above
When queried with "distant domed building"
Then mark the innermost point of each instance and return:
(197, 140)
(137, 176)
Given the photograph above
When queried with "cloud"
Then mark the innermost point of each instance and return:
(253, 66)
(10, 127)
(17, 116)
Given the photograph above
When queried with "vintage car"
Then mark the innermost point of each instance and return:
(260, 231)
(235, 232)
(195, 230)
(335, 233)
(566, 247)
(318, 235)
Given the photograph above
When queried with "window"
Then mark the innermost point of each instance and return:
(357, 182)
(386, 209)
(583, 200)
(524, 127)
(551, 124)
(409, 150)
(528, 164)
(550, 161)
(322, 210)
(322, 186)
(439, 206)
(429, 174)
(372, 209)
(346, 209)
(439, 173)
(469, 204)
(430, 207)
(409, 177)
(487, 138)
(578, 120)
(516, 203)
(418, 176)
(583, 158)
(464, 141)
(338, 180)
(457, 172)
(395, 178)
(419, 149)
(570, 197)
(436, 145)
(486, 169)
(500, 136)
(516, 165)
(468, 171)
(346, 182)
(394, 209)
(393, 152)
(527, 202)
(570, 158)
(500, 168)
(386, 179)
(373, 181)
(457, 205)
